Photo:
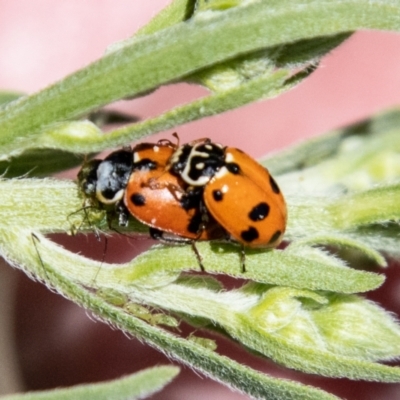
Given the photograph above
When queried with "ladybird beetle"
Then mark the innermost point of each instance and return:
(135, 181)
(162, 200)
(238, 192)
(103, 182)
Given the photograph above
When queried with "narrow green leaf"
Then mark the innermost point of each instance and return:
(316, 150)
(383, 237)
(266, 85)
(220, 368)
(136, 386)
(60, 205)
(344, 242)
(39, 163)
(46, 204)
(315, 361)
(177, 11)
(378, 205)
(307, 51)
(294, 268)
(206, 38)
(7, 97)
(333, 335)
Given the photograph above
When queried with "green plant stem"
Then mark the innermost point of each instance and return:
(173, 53)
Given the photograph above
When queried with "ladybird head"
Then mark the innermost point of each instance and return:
(113, 175)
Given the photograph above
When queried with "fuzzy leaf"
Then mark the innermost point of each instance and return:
(38, 163)
(162, 57)
(294, 268)
(291, 267)
(136, 386)
(189, 352)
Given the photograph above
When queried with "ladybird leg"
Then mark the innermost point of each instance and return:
(122, 213)
(156, 234)
(198, 255)
(205, 219)
(206, 140)
(74, 228)
(205, 215)
(175, 190)
(242, 253)
(203, 224)
(243, 258)
(159, 235)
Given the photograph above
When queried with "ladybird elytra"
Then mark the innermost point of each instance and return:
(160, 199)
(239, 193)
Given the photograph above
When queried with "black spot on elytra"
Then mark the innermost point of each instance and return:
(138, 199)
(250, 235)
(259, 212)
(217, 195)
(233, 168)
(274, 185)
(275, 237)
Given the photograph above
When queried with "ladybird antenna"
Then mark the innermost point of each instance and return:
(176, 136)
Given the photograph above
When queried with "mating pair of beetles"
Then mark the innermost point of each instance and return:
(197, 191)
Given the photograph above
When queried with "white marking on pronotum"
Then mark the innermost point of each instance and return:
(229, 157)
(221, 173)
(200, 166)
(136, 157)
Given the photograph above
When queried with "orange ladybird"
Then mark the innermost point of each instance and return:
(162, 200)
(239, 193)
(135, 181)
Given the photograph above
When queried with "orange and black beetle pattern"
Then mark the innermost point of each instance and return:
(238, 192)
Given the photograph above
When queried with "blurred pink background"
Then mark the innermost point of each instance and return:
(40, 42)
